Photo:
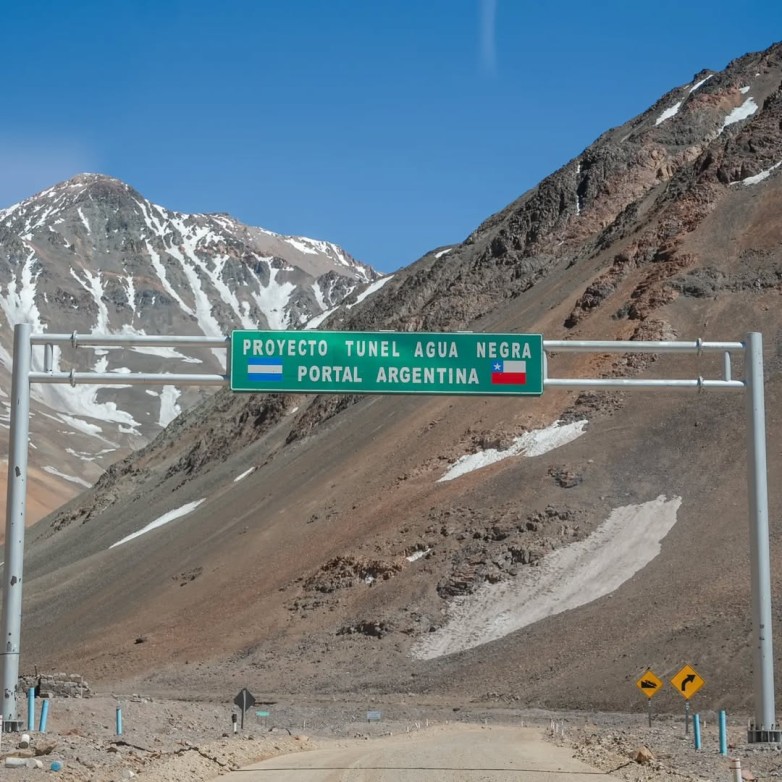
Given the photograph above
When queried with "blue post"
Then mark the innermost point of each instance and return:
(31, 708)
(723, 732)
(119, 721)
(44, 715)
(696, 730)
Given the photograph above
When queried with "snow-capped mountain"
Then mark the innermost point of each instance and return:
(92, 255)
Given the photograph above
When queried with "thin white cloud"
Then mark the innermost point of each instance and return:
(488, 10)
(32, 165)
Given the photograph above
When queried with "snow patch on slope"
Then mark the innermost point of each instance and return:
(9, 210)
(93, 285)
(18, 304)
(18, 299)
(674, 110)
(747, 109)
(243, 475)
(81, 426)
(534, 443)
(699, 84)
(313, 323)
(753, 180)
(668, 113)
(273, 299)
(70, 478)
(301, 246)
(169, 409)
(161, 520)
(567, 578)
(375, 286)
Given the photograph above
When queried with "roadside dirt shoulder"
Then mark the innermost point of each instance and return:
(167, 740)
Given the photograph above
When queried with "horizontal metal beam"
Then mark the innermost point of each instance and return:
(620, 382)
(557, 345)
(120, 340)
(138, 378)
(128, 378)
(630, 346)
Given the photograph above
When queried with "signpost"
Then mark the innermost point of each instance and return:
(244, 700)
(360, 362)
(649, 684)
(687, 682)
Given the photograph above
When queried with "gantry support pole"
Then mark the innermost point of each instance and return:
(14, 528)
(764, 729)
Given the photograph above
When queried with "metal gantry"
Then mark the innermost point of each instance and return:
(764, 728)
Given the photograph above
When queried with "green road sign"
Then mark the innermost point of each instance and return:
(385, 362)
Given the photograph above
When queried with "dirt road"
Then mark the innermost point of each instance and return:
(453, 753)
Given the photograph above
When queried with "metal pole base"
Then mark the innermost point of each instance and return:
(13, 726)
(771, 735)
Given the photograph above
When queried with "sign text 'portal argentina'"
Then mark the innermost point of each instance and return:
(385, 362)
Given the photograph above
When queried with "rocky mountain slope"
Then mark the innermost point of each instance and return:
(93, 256)
(344, 544)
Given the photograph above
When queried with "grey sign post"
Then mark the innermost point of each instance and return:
(244, 700)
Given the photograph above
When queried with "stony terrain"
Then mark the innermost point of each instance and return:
(194, 741)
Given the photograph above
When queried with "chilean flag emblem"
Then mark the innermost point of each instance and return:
(509, 372)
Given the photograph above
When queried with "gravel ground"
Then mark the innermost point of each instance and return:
(612, 743)
(174, 741)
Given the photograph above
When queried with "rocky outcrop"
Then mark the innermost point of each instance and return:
(55, 685)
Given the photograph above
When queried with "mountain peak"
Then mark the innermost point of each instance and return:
(88, 178)
(81, 182)
(92, 255)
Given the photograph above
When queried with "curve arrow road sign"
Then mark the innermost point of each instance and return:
(687, 682)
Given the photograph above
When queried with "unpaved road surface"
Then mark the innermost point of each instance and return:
(452, 753)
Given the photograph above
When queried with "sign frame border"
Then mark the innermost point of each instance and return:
(241, 389)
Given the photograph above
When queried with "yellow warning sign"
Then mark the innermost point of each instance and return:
(687, 682)
(649, 684)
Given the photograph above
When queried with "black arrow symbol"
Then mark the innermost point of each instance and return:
(690, 677)
(648, 684)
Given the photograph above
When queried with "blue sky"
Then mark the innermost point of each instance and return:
(387, 126)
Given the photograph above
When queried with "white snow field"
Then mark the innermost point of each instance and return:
(567, 578)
